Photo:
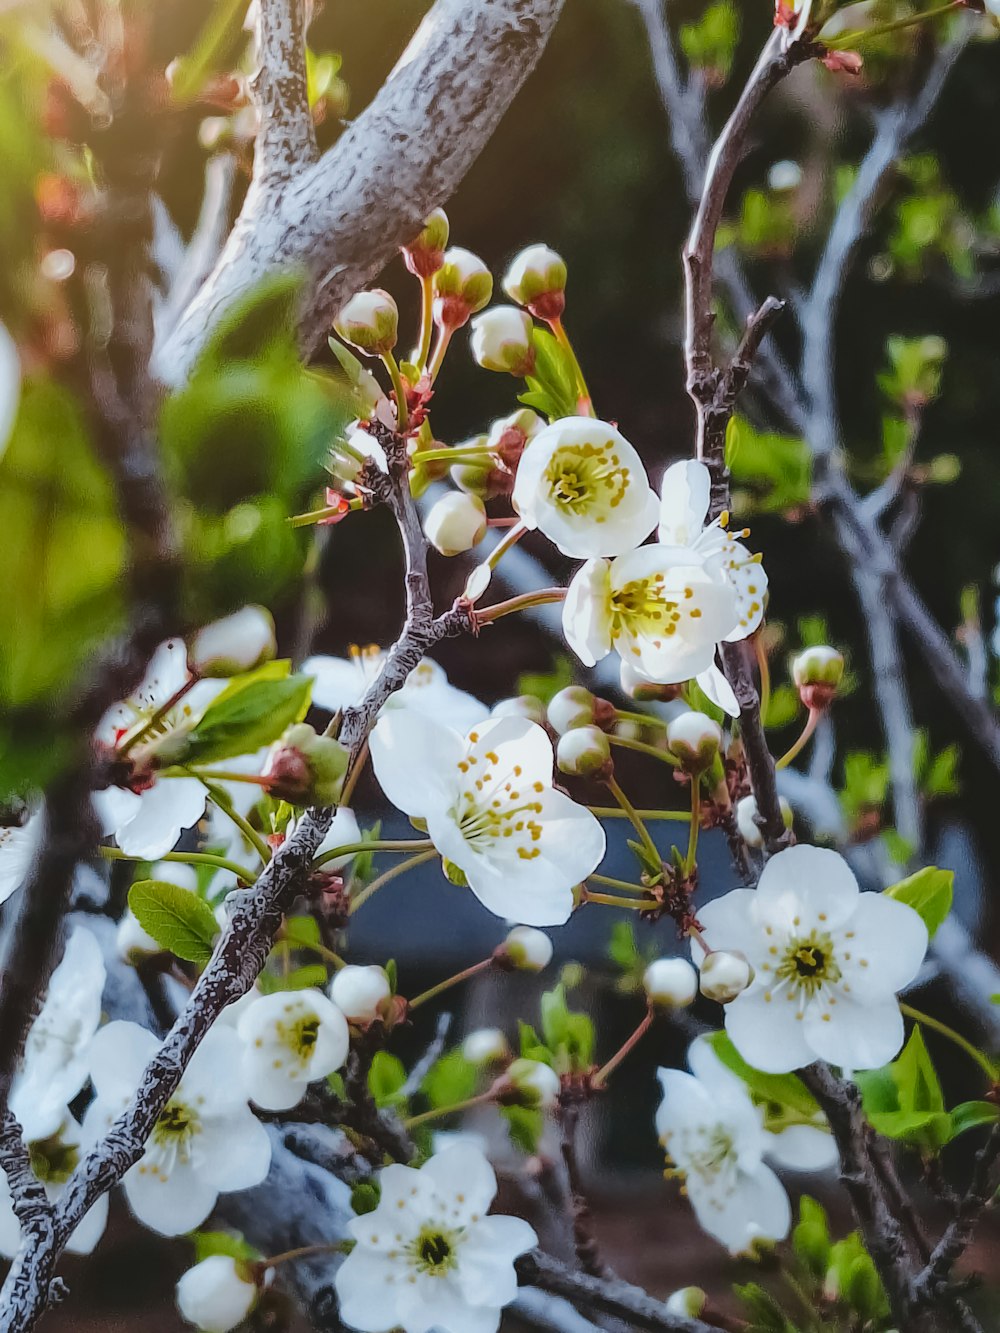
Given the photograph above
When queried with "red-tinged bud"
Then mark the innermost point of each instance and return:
(334, 500)
(844, 62)
(425, 255)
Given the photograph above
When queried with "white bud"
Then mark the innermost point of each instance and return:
(523, 705)
(359, 991)
(486, 1046)
(369, 322)
(725, 973)
(236, 643)
(695, 739)
(214, 1295)
(572, 707)
(638, 687)
(670, 981)
(501, 340)
(746, 819)
(537, 1083)
(784, 175)
(425, 254)
(462, 286)
(528, 949)
(583, 752)
(689, 1301)
(819, 665)
(456, 523)
(522, 426)
(537, 279)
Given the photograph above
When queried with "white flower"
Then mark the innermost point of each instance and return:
(455, 523)
(582, 484)
(684, 500)
(725, 973)
(17, 851)
(501, 340)
(490, 808)
(828, 962)
(206, 1139)
(10, 386)
(528, 949)
(55, 1065)
(694, 738)
(584, 752)
(54, 1158)
(462, 285)
(670, 981)
(237, 643)
(428, 1257)
(537, 1082)
(291, 1038)
(715, 1137)
(340, 683)
(359, 991)
(663, 608)
(215, 1295)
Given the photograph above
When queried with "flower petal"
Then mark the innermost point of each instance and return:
(415, 760)
(853, 1035)
(769, 1034)
(684, 497)
(806, 888)
(887, 943)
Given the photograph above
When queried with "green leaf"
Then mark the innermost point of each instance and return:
(312, 975)
(811, 1237)
(243, 720)
(302, 931)
(551, 390)
(782, 1089)
(970, 1115)
(207, 1243)
(569, 1035)
(916, 1077)
(386, 1078)
(531, 1045)
(525, 1125)
(450, 1080)
(776, 469)
(929, 892)
(622, 948)
(179, 921)
(926, 1129)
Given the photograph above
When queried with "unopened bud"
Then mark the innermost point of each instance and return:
(646, 691)
(671, 982)
(584, 752)
(501, 340)
(455, 523)
(536, 1083)
(239, 642)
(360, 992)
(572, 707)
(463, 285)
(746, 819)
(523, 705)
(425, 254)
(689, 1302)
(784, 176)
(725, 973)
(305, 768)
(537, 279)
(486, 1046)
(217, 1294)
(509, 435)
(526, 949)
(817, 672)
(695, 739)
(369, 322)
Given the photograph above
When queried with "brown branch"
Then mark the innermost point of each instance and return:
(982, 1187)
(584, 1241)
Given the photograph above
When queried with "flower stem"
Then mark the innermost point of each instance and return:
(434, 366)
(610, 900)
(399, 388)
(609, 812)
(519, 603)
(303, 1252)
(982, 1060)
(426, 321)
(850, 39)
(351, 781)
(644, 835)
(625, 885)
(218, 797)
(224, 775)
(601, 1077)
(442, 986)
(584, 405)
(692, 850)
(641, 719)
(388, 875)
(391, 845)
(436, 1112)
(454, 454)
(318, 515)
(764, 667)
(156, 717)
(810, 726)
(641, 747)
(187, 858)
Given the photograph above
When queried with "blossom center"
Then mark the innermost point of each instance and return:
(171, 1139)
(53, 1161)
(642, 607)
(498, 809)
(434, 1251)
(809, 962)
(586, 476)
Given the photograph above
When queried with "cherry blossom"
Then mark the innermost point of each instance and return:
(429, 1257)
(490, 809)
(291, 1038)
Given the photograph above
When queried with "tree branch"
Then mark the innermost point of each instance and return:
(343, 218)
(286, 137)
(982, 1187)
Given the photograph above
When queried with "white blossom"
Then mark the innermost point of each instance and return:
(216, 1295)
(340, 682)
(54, 1156)
(18, 844)
(455, 523)
(429, 1257)
(291, 1039)
(359, 991)
(670, 981)
(490, 808)
(369, 322)
(537, 278)
(528, 949)
(583, 485)
(485, 1046)
(828, 962)
(537, 1082)
(746, 819)
(715, 1137)
(206, 1139)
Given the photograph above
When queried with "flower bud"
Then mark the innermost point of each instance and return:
(462, 286)
(216, 1294)
(688, 1301)
(537, 279)
(817, 672)
(455, 523)
(369, 322)
(306, 769)
(526, 949)
(784, 176)
(501, 340)
(695, 739)
(425, 254)
(671, 982)
(646, 691)
(359, 992)
(574, 706)
(239, 642)
(584, 752)
(725, 973)
(538, 1084)
(509, 436)
(524, 705)
(486, 1046)
(746, 819)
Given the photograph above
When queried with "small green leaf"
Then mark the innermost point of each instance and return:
(551, 390)
(248, 718)
(622, 948)
(784, 1089)
(929, 892)
(302, 931)
(916, 1077)
(207, 1243)
(299, 978)
(970, 1115)
(180, 922)
(386, 1078)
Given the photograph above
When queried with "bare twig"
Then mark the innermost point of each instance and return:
(584, 1241)
(972, 1203)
